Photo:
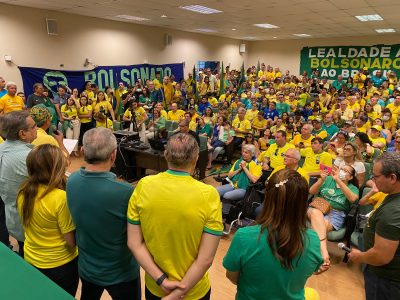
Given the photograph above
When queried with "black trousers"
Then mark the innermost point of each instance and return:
(84, 127)
(377, 288)
(150, 296)
(4, 236)
(121, 291)
(65, 276)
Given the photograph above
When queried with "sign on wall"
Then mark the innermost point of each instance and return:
(347, 60)
(103, 76)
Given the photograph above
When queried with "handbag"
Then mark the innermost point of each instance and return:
(321, 204)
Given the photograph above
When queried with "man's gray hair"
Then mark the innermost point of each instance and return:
(98, 145)
(181, 150)
(10, 83)
(295, 153)
(309, 126)
(249, 148)
(390, 164)
(12, 123)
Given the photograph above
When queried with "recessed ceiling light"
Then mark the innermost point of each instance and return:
(265, 25)
(274, 37)
(385, 30)
(249, 38)
(205, 30)
(164, 16)
(132, 18)
(366, 18)
(301, 34)
(233, 29)
(201, 9)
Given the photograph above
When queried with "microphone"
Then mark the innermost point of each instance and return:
(343, 247)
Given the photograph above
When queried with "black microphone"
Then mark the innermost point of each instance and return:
(343, 247)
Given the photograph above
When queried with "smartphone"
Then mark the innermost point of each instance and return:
(322, 167)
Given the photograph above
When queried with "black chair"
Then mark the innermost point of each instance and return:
(242, 213)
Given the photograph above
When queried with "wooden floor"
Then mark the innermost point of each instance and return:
(342, 281)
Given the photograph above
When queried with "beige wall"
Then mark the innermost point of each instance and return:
(25, 38)
(286, 53)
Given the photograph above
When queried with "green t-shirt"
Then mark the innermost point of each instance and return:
(334, 195)
(261, 273)
(282, 107)
(98, 205)
(385, 221)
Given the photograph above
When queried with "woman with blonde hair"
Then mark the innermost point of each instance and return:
(49, 230)
(279, 242)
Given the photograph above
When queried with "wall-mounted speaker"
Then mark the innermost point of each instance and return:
(51, 25)
(242, 48)
(168, 40)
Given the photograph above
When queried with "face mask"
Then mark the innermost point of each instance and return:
(385, 118)
(342, 175)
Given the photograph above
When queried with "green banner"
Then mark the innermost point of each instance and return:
(347, 60)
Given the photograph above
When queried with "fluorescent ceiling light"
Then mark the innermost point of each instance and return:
(233, 29)
(274, 37)
(249, 38)
(205, 30)
(385, 30)
(132, 18)
(164, 16)
(366, 18)
(201, 9)
(265, 25)
(301, 34)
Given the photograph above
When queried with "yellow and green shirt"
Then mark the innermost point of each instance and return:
(164, 217)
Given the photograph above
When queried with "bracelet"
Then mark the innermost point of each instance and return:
(161, 279)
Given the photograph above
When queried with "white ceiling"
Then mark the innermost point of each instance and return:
(319, 18)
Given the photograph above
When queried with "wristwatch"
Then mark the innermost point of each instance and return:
(160, 280)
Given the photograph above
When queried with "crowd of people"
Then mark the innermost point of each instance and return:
(300, 135)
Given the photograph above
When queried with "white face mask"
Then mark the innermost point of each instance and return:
(385, 118)
(342, 175)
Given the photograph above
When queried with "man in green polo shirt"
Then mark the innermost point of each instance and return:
(382, 234)
(98, 205)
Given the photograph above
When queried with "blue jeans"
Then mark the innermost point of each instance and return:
(230, 194)
(377, 288)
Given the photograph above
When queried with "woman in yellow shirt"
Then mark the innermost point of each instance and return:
(140, 117)
(71, 123)
(102, 105)
(205, 87)
(49, 230)
(85, 115)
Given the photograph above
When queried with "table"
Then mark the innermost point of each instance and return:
(21, 281)
(132, 162)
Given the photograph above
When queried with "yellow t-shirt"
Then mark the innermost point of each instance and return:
(43, 138)
(90, 94)
(140, 114)
(176, 116)
(298, 139)
(394, 109)
(260, 124)
(213, 101)
(157, 84)
(377, 199)
(378, 140)
(85, 110)
(70, 111)
(171, 242)
(254, 168)
(107, 124)
(392, 123)
(45, 246)
(168, 93)
(313, 161)
(299, 170)
(251, 114)
(103, 104)
(1, 140)
(275, 155)
(9, 104)
(241, 125)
